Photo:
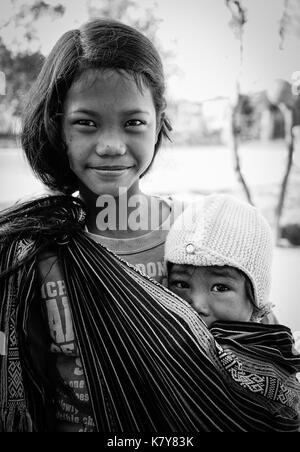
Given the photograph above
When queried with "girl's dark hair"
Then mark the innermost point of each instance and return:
(100, 43)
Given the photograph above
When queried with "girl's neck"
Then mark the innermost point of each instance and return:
(129, 215)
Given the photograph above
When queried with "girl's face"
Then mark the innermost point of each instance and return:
(216, 293)
(109, 126)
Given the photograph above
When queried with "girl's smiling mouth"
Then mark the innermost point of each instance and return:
(111, 170)
(112, 167)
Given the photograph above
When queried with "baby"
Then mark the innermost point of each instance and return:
(218, 256)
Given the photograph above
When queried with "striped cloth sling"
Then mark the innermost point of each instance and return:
(150, 363)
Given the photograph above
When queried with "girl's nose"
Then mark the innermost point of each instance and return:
(110, 147)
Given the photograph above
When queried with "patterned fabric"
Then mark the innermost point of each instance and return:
(150, 362)
(239, 347)
(12, 393)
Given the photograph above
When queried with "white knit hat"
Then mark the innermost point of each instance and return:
(221, 230)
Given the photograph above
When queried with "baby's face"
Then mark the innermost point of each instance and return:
(216, 293)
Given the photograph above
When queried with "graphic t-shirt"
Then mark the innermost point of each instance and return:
(74, 412)
(147, 251)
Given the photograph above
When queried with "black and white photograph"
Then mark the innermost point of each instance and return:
(149, 218)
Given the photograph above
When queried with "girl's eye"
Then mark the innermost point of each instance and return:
(85, 123)
(220, 288)
(134, 123)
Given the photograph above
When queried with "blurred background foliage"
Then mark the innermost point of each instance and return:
(256, 115)
(21, 65)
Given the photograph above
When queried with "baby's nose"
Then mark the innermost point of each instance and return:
(200, 303)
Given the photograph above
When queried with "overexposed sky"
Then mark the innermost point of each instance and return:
(206, 51)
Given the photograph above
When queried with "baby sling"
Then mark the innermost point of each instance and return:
(143, 349)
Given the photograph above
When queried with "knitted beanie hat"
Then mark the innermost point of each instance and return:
(221, 230)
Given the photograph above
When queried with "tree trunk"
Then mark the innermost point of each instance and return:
(235, 128)
(289, 138)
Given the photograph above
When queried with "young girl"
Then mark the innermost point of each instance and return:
(88, 343)
(94, 123)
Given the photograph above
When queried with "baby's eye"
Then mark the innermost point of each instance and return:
(180, 285)
(85, 123)
(220, 288)
(134, 123)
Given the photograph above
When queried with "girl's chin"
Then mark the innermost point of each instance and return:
(109, 189)
(115, 192)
